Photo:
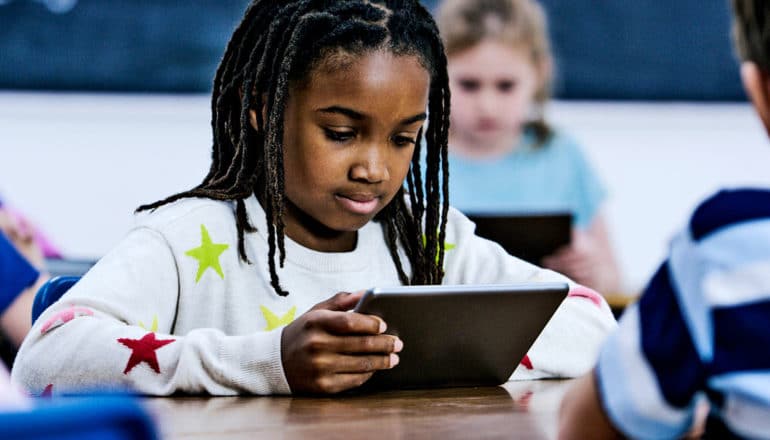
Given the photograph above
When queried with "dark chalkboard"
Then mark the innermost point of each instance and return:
(604, 49)
(643, 49)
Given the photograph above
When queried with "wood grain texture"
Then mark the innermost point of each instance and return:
(522, 410)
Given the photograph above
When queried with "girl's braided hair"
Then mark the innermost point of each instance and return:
(278, 43)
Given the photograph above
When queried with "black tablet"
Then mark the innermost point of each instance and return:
(465, 335)
(529, 236)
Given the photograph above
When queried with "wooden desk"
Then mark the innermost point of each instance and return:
(516, 410)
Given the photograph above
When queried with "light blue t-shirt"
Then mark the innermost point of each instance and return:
(554, 177)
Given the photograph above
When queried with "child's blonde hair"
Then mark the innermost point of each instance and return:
(464, 24)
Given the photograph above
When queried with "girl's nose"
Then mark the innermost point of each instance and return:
(371, 166)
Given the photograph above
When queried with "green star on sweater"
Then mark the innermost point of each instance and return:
(447, 246)
(207, 254)
(274, 321)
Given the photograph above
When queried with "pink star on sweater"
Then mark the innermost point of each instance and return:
(64, 317)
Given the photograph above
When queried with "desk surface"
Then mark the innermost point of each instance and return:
(516, 410)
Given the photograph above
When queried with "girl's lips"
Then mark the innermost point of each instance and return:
(362, 205)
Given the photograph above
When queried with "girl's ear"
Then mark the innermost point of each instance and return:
(253, 115)
(253, 119)
(757, 85)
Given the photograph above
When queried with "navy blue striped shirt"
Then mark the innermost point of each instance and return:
(701, 329)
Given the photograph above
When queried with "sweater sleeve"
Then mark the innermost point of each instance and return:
(113, 330)
(569, 344)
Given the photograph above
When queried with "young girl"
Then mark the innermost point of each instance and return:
(505, 157)
(317, 114)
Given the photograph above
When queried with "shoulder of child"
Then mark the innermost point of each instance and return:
(459, 227)
(728, 207)
(563, 140)
(188, 211)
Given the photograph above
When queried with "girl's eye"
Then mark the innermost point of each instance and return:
(403, 141)
(469, 85)
(339, 136)
(506, 86)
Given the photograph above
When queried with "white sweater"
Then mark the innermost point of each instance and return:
(173, 307)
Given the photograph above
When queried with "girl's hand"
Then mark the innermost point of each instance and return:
(578, 260)
(588, 259)
(328, 350)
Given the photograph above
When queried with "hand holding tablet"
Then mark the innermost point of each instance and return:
(467, 335)
(328, 350)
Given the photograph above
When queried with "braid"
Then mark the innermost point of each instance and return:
(277, 44)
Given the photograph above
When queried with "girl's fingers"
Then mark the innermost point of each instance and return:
(340, 302)
(367, 344)
(364, 363)
(345, 323)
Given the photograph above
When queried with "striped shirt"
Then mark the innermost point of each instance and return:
(701, 330)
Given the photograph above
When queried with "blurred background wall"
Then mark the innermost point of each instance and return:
(605, 49)
(104, 106)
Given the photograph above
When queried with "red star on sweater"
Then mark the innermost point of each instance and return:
(143, 350)
(526, 362)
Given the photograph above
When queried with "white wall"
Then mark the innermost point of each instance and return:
(79, 164)
(659, 161)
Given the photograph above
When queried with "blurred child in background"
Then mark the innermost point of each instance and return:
(504, 155)
(702, 326)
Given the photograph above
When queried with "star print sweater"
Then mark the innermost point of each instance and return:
(174, 309)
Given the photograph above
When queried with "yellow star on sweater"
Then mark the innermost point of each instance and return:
(447, 246)
(207, 254)
(273, 321)
(154, 327)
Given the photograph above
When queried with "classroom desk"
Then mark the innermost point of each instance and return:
(526, 410)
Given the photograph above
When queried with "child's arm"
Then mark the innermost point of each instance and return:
(15, 320)
(112, 329)
(581, 415)
(19, 282)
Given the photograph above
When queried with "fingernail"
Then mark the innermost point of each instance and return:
(398, 345)
(383, 326)
(394, 360)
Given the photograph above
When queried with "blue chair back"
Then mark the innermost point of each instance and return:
(92, 418)
(50, 292)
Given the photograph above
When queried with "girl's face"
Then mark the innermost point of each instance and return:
(348, 143)
(493, 86)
